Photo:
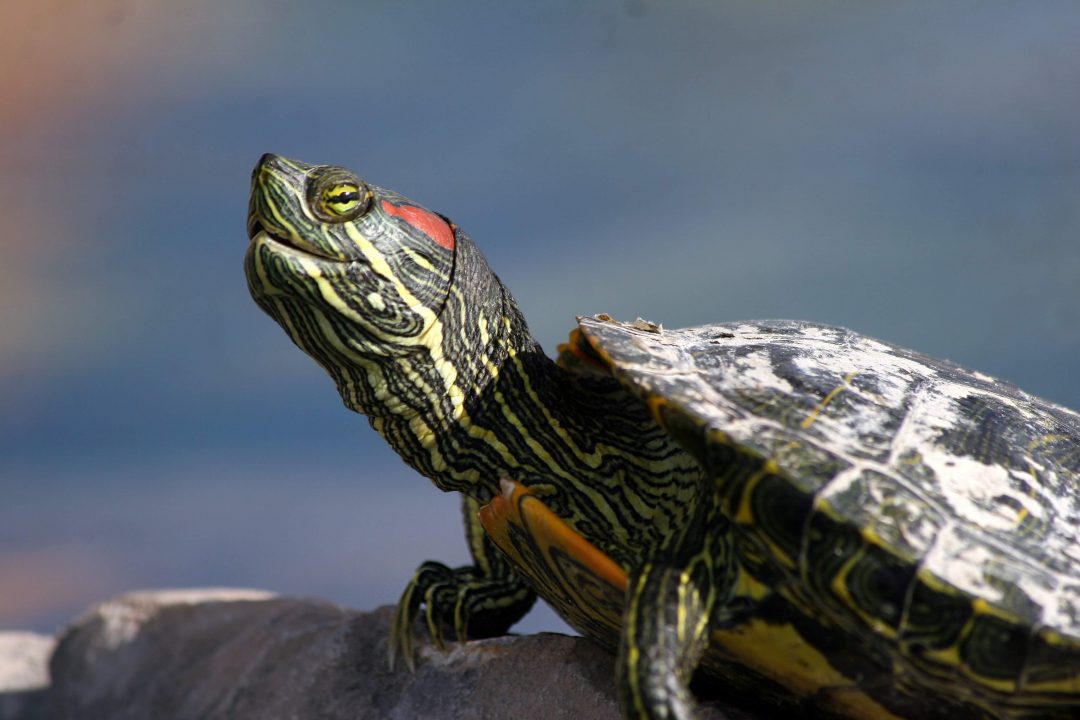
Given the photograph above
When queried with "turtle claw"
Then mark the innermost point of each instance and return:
(460, 600)
(434, 627)
(430, 579)
(401, 630)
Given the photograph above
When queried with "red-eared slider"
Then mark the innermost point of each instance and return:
(806, 514)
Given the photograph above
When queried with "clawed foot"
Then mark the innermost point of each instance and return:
(458, 599)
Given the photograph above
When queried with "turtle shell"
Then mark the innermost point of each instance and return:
(925, 512)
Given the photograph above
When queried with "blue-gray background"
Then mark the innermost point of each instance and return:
(910, 170)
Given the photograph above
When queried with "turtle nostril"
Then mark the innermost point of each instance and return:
(266, 159)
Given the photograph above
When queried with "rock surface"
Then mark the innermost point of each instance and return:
(24, 674)
(244, 655)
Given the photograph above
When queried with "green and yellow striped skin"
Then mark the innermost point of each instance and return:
(792, 510)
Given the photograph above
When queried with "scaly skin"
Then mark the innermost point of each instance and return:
(794, 509)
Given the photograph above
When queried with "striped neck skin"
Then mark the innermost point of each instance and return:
(590, 449)
(402, 311)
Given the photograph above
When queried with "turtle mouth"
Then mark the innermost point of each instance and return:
(254, 227)
(259, 233)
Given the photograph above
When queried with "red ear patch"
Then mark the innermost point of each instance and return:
(426, 222)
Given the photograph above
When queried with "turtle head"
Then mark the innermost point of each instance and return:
(404, 313)
(358, 276)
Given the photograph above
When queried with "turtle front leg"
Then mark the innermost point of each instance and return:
(665, 632)
(670, 601)
(475, 601)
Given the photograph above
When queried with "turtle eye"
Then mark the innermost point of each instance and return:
(341, 201)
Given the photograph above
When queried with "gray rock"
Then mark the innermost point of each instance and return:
(24, 674)
(245, 655)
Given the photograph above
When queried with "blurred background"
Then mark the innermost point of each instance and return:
(909, 170)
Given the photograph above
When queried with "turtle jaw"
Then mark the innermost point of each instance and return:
(259, 235)
(260, 231)
(273, 242)
(271, 260)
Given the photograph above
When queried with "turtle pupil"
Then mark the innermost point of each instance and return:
(342, 199)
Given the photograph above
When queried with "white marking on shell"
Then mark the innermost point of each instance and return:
(978, 492)
(990, 573)
(819, 333)
(747, 329)
(955, 559)
(840, 483)
(756, 369)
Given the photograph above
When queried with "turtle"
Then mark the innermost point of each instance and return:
(801, 515)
